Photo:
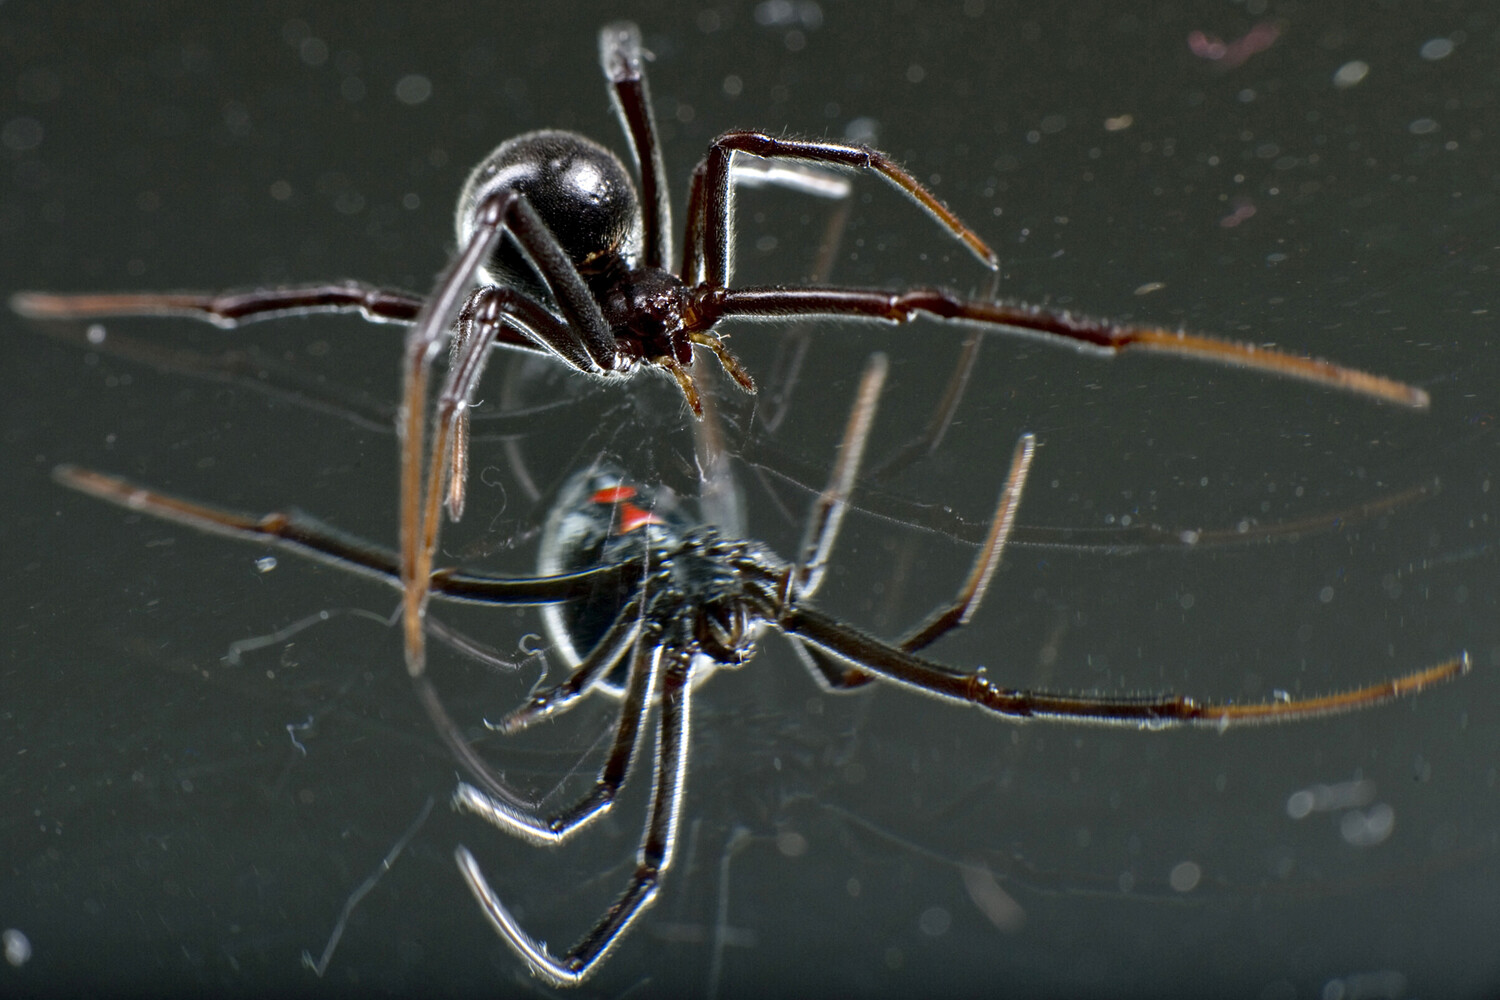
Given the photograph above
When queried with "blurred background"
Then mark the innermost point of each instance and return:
(193, 785)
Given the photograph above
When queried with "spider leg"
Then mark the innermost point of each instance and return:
(305, 536)
(497, 796)
(592, 348)
(1001, 524)
(825, 518)
(827, 513)
(720, 499)
(491, 313)
(227, 309)
(474, 649)
(927, 442)
(758, 172)
(708, 258)
(813, 180)
(839, 676)
(1149, 712)
(583, 327)
(712, 305)
(653, 858)
(640, 686)
(795, 341)
(621, 56)
(562, 696)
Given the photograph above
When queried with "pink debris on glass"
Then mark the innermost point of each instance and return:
(1235, 53)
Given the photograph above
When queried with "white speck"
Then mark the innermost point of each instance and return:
(413, 88)
(1185, 877)
(935, 921)
(21, 134)
(862, 130)
(17, 947)
(95, 334)
(1437, 48)
(791, 843)
(1386, 984)
(265, 564)
(1368, 828)
(1422, 126)
(1351, 73)
(313, 51)
(1326, 595)
(786, 14)
(1325, 798)
(774, 12)
(993, 901)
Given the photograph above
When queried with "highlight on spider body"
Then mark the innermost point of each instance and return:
(645, 603)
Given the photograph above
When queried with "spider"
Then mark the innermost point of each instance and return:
(559, 254)
(646, 602)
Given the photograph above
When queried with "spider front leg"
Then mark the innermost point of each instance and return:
(707, 256)
(1149, 712)
(623, 61)
(580, 336)
(228, 310)
(708, 267)
(653, 858)
(712, 305)
(309, 538)
(492, 315)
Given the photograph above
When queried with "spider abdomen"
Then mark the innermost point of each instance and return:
(580, 190)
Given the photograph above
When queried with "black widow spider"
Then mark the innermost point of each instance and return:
(651, 602)
(584, 276)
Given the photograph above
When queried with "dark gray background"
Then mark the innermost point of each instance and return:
(161, 832)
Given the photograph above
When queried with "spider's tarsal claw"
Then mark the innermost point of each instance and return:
(684, 382)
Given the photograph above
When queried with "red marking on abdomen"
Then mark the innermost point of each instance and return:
(614, 494)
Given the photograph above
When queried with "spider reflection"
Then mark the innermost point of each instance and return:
(646, 603)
